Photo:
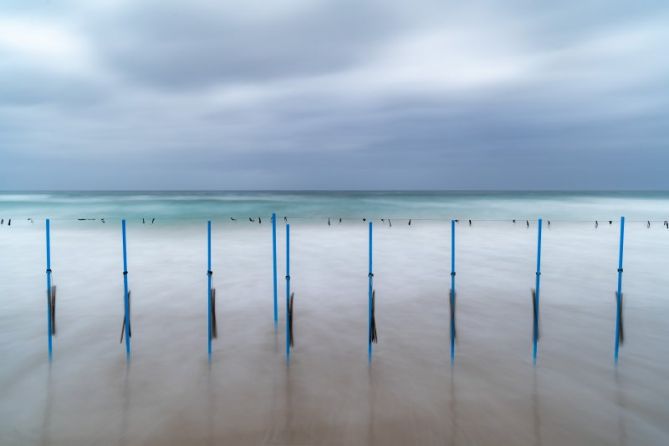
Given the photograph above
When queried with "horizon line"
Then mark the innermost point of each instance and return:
(10, 191)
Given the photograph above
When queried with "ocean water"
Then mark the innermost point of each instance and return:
(410, 393)
(179, 206)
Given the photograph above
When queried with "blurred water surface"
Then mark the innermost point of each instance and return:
(410, 394)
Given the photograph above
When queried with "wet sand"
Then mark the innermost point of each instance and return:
(170, 394)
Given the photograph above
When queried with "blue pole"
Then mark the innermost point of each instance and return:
(537, 286)
(276, 308)
(48, 285)
(126, 300)
(288, 316)
(209, 273)
(452, 296)
(369, 291)
(620, 288)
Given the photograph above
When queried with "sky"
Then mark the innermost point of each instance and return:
(297, 94)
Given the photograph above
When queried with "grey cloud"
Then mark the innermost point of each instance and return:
(178, 45)
(194, 96)
(29, 87)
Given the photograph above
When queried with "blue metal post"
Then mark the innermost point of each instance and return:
(619, 303)
(452, 294)
(126, 299)
(288, 318)
(369, 291)
(276, 308)
(48, 285)
(537, 287)
(209, 273)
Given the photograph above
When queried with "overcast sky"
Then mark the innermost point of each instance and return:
(334, 94)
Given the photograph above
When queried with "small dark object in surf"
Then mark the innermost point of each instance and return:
(452, 306)
(514, 221)
(233, 219)
(535, 314)
(390, 223)
(9, 222)
(596, 224)
(259, 221)
(143, 221)
(285, 219)
(372, 324)
(251, 220)
(610, 222)
(153, 220)
(290, 320)
(470, 222)
(123, 326)
(339, 219)
(648, 224)
(549, 223)
(409, 222)
(31, 220)
(81, 219)
(364, 219)
(383, 220)
(212, 302)
(102, 220)
(329, 224)
(621, 331)
(527, 223)
(666, 224)
(2, 221)
(52, 309)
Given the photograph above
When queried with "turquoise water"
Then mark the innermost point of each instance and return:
(172, 206)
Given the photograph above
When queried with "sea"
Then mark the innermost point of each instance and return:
(492, 391)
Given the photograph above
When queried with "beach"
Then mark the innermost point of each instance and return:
(171, 393)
